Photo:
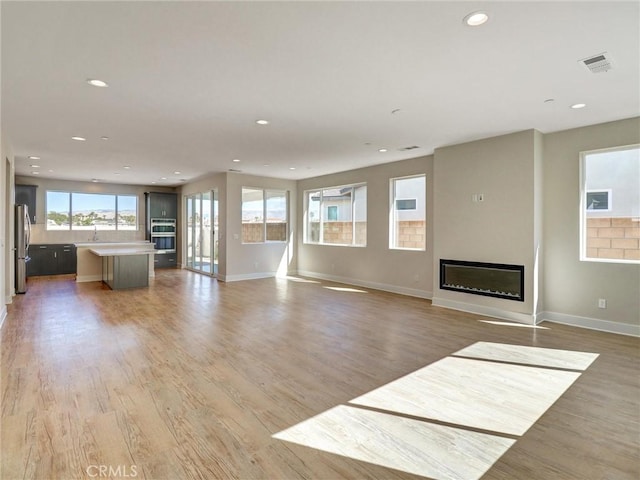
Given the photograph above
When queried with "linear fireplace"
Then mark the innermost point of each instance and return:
(489, 279)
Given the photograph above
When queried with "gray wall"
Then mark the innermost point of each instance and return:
(375, 265)
(572, 287)
(500, 229)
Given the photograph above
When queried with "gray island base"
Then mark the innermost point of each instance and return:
(124, 267)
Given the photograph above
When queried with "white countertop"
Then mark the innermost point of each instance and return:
(134, 243)
(118, 252)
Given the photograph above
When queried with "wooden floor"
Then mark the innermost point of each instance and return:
(191, 378)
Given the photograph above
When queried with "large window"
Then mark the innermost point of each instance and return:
(91, 211)
(337, 215)
(610, 205)
(408, 222)
(264, 215)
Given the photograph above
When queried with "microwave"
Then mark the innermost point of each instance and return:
(161, 226)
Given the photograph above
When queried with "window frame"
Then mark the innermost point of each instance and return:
(322, 220)
(265, 191)
(392, 212)
(583, 211)
(71, 193)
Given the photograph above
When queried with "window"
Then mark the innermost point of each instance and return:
(264, 215)
(599, 200)
(406, 204)
(58, 210)
(91, 211)
(276, 207)
(610, 205)
(337, 215)
(408, 222)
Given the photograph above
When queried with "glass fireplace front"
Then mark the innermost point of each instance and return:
(478, 278)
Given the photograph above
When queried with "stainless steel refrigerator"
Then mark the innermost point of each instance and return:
(23, 234)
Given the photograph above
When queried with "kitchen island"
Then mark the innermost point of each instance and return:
(125, 266)
(89, 265)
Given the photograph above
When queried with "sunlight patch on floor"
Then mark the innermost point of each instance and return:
(466, 394)
(513, 324)
(543, 357)
(404, 444)
(345, 289)
(486, 395)
(297, 279)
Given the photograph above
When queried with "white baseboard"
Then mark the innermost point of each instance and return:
(3, 315)
(88, 278)
(411, 292)
(8, 299)
(526, 318)
(592, 323)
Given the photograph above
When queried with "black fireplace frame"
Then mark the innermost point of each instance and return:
(497, 266)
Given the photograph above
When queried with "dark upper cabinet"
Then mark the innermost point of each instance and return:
(26, 195)
(51, 259)
(161, 205)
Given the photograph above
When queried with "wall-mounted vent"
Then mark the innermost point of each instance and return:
(597, 63)
(235, 170)
(412, 147)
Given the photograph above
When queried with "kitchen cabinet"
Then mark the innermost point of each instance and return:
(165, 260)
(161, 215)
(162, 205)
(26, 195)
(51, 259)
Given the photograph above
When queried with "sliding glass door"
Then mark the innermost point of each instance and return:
(202, 232)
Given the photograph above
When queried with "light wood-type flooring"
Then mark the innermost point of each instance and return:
(197, 379)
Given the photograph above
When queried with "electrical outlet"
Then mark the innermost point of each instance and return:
(602, 303)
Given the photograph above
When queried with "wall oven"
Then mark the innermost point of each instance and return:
(163, 234)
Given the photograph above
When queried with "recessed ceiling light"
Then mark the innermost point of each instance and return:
(97, 83)
(104, 138)
(163, 178)
(475, 19)
(576, 106)
(382, 150)
(265, 165)
(94, 180)
(126, 167)
(79, 139)
(50, 171)
(292, 168)
(236, 160)
(153, 183)
(549, 100)
(35, 173)
(262, 122)
(33, 157)
(35, 166)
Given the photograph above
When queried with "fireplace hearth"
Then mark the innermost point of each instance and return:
(478, 278)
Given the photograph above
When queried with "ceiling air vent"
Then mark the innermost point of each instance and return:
(597, 63)
(412, 147)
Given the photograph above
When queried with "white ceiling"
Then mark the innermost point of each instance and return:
(188, 80)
